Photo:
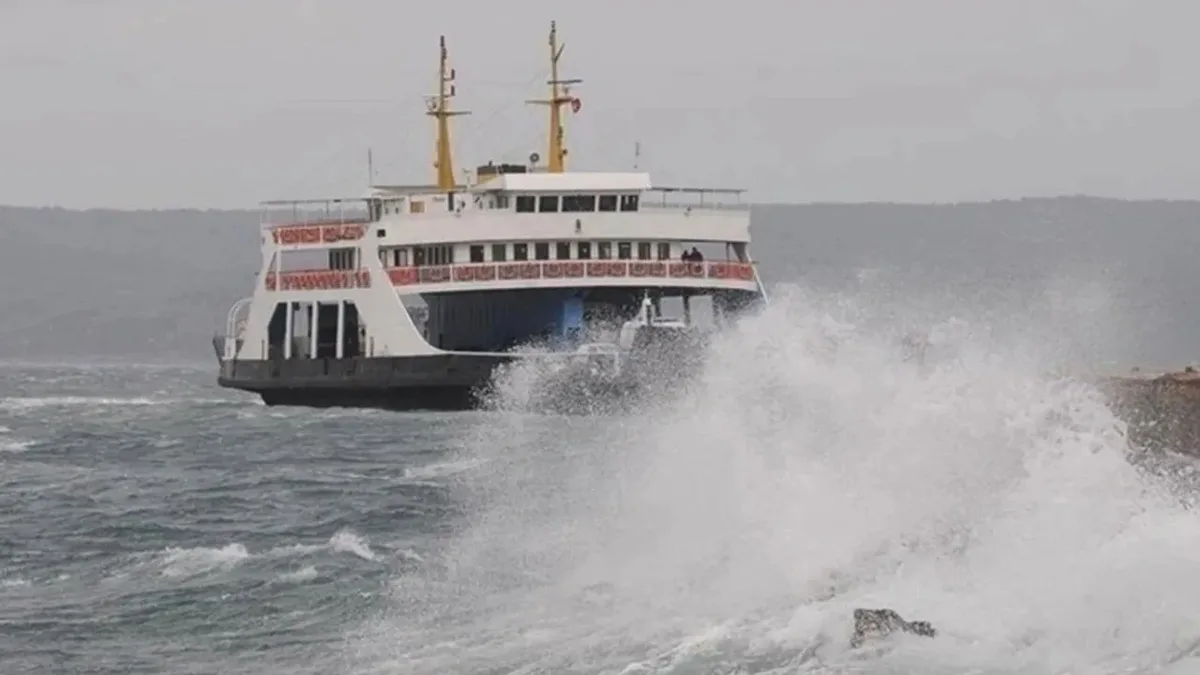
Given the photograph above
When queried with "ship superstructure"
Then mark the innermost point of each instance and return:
(515, 255)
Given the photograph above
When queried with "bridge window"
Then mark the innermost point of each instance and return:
(435, 255)
(584, 250)
(341, 259)
(499, 252)
(664, 251)
(578, 203)
(629, 202)
(548, 204)
(604, 250)
(624, 250)
(643, 250)
(520, 251)
(608, 202)
(476, 254)
(563, 250)
(541, 251)
(526, 204)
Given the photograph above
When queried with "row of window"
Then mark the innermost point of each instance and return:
(575, 203)
(563, 250)
(582, 250)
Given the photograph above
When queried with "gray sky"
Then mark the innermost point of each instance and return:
(221, 103)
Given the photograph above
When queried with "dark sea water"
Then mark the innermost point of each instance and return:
(153, 523)
(150, 522)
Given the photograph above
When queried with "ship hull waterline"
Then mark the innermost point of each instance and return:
(439, 382)
(455, 382)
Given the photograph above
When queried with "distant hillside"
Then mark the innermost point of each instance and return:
(155, 285)
(120, 283)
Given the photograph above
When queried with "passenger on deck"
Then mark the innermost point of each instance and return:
(695, 255)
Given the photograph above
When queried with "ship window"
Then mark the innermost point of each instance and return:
(604, 250)
(608, 202)
(585, 250)
(476, 254)
(380, 233)
(526, 204)
(664, 251)
(341, 259)
(502, 201)
(624, 250)
(563, 250)
(418, 256)
(400, 256)
(578, 203)
(520, 251)
(541, 251)
(499, 252)
(548, 204)
(629, 202)
(643, 250)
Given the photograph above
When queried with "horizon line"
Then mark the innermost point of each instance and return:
(971, 202)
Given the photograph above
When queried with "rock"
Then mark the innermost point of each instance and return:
(877, 623)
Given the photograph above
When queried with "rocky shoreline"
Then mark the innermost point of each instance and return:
(1163, 412)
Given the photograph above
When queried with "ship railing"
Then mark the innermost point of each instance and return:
(688, 199)
(317, 221)
(322, 279)
(717, 270)
(614, 270)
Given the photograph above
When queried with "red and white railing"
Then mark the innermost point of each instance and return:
(315, 280)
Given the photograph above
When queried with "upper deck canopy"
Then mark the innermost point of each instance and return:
(574, 181)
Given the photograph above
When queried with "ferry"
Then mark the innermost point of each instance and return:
(413, 297)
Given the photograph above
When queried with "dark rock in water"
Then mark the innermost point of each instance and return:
(877, 623)
(1162, 413)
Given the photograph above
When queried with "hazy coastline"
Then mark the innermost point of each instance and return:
(153, 285)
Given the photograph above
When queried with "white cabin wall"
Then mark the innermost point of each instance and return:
(488, 226)
(390, 328)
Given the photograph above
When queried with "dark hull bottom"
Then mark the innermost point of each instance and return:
(442, 382)
(457, 382)
(396, 399)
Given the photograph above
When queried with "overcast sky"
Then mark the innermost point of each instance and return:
(223, 103)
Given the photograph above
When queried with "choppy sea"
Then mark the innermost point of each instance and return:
(153, 523)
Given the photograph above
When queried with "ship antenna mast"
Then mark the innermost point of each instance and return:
(439, 109)
(560, 95)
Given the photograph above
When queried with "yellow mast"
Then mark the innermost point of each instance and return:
(559, 96)
(438, 109)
